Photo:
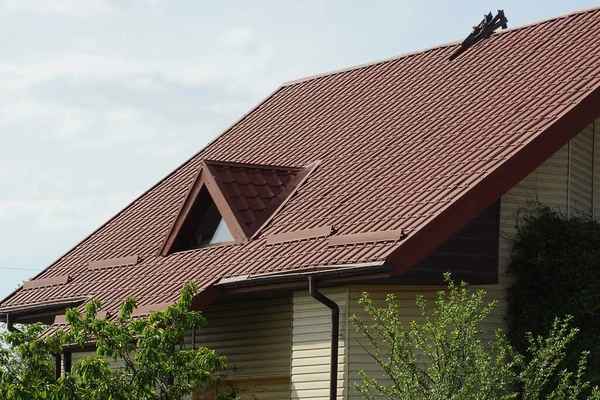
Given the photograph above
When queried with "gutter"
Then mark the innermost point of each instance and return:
(323, 272)
(335, 332)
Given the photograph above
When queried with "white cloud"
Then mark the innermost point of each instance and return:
(60, 215)
(238, 36)
(69, 7)
(228, 64)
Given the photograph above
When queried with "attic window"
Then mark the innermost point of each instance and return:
(212, 228)
(203, 226)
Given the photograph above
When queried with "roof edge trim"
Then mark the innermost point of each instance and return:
(182, 212)
(250, 165)
(61, 319)
(333, 270)
(43, 305)
(336, 275)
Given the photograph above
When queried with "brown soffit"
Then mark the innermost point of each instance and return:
(495, 184)
(301, 234)
(147, 309)
(366, 237)
(283, 198)
(114, 262)
(55, 280)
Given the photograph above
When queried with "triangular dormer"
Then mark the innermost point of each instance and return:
(231, 202)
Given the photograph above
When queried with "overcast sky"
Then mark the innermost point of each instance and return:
(99, 99)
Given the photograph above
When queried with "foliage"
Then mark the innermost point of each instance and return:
(26, 363)
(557, 264)
(156, 366)
(449, 355)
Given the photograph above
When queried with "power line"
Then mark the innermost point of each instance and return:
(20, 269)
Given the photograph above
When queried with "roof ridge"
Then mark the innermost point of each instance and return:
(236, 164)
(432, 48)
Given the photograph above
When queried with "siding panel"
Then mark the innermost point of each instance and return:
(596, 170)
(311, 345)
(581, 179)
(257, 338)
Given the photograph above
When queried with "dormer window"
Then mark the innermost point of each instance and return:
(212, 229)
(230, 202)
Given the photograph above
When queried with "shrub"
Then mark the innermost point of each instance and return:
(557, 265)
(448, 357)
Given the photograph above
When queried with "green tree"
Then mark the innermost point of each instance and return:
(26, 363)
(447, 356)
(156, 366)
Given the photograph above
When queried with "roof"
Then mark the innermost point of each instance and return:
(411, 149)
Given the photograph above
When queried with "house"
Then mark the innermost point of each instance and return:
(376, 178)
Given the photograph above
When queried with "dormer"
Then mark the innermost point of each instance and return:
(230, 202)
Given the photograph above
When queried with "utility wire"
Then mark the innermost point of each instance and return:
(20, 269)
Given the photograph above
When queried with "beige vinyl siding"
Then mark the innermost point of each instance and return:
(595, 127)
(580, 173)
(257, 338)
(78, 355)
(358, 358)
(311, 345)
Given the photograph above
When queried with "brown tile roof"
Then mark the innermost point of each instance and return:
(416, 144)
(251, 188)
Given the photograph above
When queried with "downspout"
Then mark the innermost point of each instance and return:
(68, 359)
(10, 324)
(335, 330)
(57, 366)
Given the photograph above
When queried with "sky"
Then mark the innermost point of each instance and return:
(100, 99)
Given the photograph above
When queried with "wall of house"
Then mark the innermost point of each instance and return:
(595, 128)
(568, 181)
(78, 355)
(311, 345)
(257, 338)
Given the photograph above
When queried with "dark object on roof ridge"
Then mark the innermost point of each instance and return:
(485, 28)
